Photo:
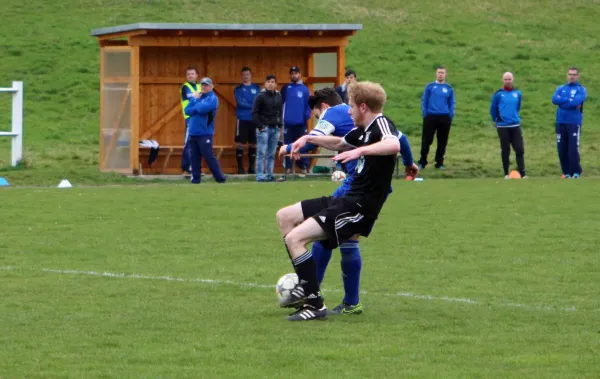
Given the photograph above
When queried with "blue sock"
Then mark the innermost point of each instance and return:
(351, 266)
(321, 255)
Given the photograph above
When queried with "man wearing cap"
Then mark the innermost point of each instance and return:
(202, 110)
(296, 114)
(266, 114)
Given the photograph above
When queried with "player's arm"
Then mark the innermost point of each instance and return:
(328, 142)
(386, 135)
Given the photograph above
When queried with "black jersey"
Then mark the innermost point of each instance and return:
(373, 173)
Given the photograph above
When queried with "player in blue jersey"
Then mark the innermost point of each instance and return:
(334, 120)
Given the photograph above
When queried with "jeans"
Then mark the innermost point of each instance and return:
(266, 145)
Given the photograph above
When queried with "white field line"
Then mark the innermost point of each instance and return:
(257, 285)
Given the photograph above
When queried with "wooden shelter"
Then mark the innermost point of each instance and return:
(142, 68)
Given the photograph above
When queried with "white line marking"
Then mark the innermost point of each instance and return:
(257, 285)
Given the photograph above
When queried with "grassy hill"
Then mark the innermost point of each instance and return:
(49, 47)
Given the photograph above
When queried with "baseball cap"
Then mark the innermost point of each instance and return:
(294, 69)
(206, 80)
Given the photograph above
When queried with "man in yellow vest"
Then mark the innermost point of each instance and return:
(187, 92)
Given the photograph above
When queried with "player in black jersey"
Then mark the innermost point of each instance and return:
(374, 142)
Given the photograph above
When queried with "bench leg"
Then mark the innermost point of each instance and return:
(166, 160)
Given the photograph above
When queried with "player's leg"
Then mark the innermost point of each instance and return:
(251, 133)
(562, 145)
(186, 156)
(574, 159)
(196, 158)
(308, 288)
(271, 149)
(428, 133)
(289, 217)
(504, 136)
(321, 254)
(443, 131)
(262, 139)
(241, 138)
(206, 150)
(516, 140)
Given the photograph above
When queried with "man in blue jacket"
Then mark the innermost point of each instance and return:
(437, 106)
(569, 99)
(202, 110)
(505, 107)
(245, 132)
(296, 114)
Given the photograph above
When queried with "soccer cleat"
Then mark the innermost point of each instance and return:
(576, 176)
(308, 312)
(296, 298)
(347, 309)
(507, 177)
(567, 176)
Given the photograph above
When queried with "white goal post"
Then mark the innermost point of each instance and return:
(17, 122)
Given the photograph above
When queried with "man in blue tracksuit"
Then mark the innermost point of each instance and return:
(245, 131)
(569, 99)
(296, 114)
(505, 107)
(437, 106)
(202, 110)
(334, 120)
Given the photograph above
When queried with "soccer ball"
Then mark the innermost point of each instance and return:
(285, 285)
(338, 176)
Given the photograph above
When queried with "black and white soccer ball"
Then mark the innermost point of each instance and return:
(285, 285)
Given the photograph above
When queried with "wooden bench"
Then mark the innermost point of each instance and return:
(218, 150)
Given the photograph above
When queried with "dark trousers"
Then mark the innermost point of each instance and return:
(291, 133)
(202, 147)
(512, 136)
(433, 124)
(186, 156)
(567, 143)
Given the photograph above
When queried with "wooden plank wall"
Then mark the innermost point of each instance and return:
(162, 72)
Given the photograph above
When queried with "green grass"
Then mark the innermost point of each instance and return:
(523, 252)
(400, 45)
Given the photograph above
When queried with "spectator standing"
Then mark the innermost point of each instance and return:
(342, 90)
(266, 114)
(569, 99)
(202, 110)
(187, 92)
(296, 114)
(245, 132)
(505, 107)
(437, 106)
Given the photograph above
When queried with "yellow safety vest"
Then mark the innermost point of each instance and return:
(184, 103)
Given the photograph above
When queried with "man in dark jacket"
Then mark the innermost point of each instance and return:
(266, 114)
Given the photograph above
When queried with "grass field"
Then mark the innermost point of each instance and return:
(462, 279)
(478, 41)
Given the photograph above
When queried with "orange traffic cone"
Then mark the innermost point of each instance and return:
(514, 174)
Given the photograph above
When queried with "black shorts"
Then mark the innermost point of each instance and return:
(339, 217)
(245, 132)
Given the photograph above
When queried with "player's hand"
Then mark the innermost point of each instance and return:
(282, 151)
(197, 95)
(412, 171)
(347, 156)
(296, 146)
